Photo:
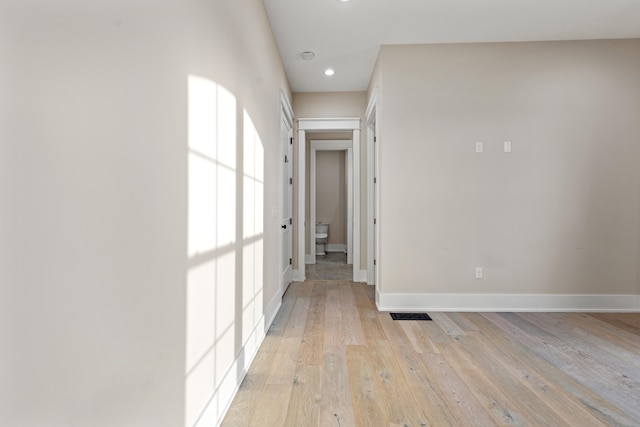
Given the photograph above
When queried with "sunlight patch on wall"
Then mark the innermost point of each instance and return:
(216, 330)
(253, 183)
(225, 315)
(201, 338)
(202, 165)
(211, 251)
(212, 166)
(253, 180)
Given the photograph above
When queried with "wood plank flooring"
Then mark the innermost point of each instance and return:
(331, 359)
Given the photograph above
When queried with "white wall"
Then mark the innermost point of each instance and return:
(111, 308)
(558, 215)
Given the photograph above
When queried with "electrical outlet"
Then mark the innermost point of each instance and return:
(479, 147)
(479, 273)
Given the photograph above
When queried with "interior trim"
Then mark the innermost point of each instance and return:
(507, 302)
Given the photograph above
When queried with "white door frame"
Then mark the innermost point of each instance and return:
(347, 124)
(373, 199)
(331, 145)
(287, 117)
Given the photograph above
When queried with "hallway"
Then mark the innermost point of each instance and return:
(331, 359)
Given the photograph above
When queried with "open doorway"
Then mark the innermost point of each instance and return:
(330, 210)
(302, 223)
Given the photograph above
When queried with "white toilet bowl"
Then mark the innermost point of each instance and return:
(322, 234)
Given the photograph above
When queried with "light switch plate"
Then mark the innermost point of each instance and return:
(479, 147)
(507, 146)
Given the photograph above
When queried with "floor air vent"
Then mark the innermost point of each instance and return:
(410, 316)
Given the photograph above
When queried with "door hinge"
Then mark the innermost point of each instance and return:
(290, 261)
(291, 140)
(375, 139)
(375, 180)
(375, 262)
(375, 221)
(290, 181)
(290, 221)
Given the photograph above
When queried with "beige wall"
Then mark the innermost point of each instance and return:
(329, 104)
(558, 215)
(332, 105)
(108, 317)
(331, 194)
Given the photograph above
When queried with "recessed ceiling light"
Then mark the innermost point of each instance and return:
(308, 55)
(329, 72)
(343, 1)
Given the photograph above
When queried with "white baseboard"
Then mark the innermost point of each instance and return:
(334, 247)
(271, 312)
(219, 403)
(506, 302)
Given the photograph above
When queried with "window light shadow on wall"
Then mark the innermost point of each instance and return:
(216, 243)
(253, 208)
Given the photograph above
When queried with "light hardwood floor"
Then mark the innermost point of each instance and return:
(331, 359)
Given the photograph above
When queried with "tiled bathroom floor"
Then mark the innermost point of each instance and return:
(332, 258)
(332, 266)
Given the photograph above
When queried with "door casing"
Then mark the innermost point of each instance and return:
(285, 267)
(345, 124)
(373, 193)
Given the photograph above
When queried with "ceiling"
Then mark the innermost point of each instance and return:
(346, 36)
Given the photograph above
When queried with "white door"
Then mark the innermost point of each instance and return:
(286, 210)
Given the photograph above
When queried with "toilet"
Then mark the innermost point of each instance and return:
(322, 233)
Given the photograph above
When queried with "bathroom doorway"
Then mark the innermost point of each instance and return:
(331, 210)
